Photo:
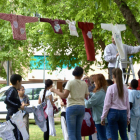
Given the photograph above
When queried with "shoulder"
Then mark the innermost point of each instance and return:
(26, 96)
(48, 93)
(111, 87)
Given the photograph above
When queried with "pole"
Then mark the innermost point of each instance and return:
(44, 67)
(7, 73)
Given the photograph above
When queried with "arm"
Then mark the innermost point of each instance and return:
(39, 100)
(93, 101)
(107, 104)
(106, 26)
(108, 56)
(30, 19)
(131, 105)
(50, 97)
(132, 50)
(9, 101)
(128, 107)
(62, 95)
(28, 102)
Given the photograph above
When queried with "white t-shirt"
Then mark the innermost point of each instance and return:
(48, 93)
(18, 120)
(77, 89)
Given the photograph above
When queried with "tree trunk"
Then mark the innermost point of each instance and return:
(130, 18)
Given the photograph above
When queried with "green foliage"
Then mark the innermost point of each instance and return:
(70, 48)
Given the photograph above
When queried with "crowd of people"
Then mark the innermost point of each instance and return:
(89, 104)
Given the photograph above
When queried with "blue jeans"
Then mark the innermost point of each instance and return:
(117, 120)
(74, 119)
(102, 133)
(135, 128)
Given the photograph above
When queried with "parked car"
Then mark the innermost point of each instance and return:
(32, 90)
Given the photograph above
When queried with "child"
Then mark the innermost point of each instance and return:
(47, 97)
(134, 99)
(12, 101)
(63, 116)
(24, 99)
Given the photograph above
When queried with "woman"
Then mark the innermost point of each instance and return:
(116, 107)
(76, 90)
(96, 102)
(47, 96)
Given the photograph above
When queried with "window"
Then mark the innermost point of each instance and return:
(29, 93)
(2, 95)
(36, 93)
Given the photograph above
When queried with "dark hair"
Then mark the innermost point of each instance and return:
(139, 74)
(64, 84)
(48, 83)
(100, 82)
(118, 76)
(109, 82)
(78, 71)
(134, 84)
(14, 78)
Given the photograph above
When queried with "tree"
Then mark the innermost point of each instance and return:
(65, 49)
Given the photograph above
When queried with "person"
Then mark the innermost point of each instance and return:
(46, 96)
(111, 53)
(134, 99)
(24, 99)
(109, 82)
(138, 88)
(63, 116)
(96, 102)
(92, 86)
(88, 127)
(75, 92)
(12, 101)
(116, 107)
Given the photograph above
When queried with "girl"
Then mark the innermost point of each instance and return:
(47, 96)
(96, 102)
(116, 107)
(76, 90)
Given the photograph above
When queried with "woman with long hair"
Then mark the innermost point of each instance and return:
(116, 107)
(47, 97)
(76, 90)
(96, 102)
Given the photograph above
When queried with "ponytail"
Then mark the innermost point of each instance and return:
(48, 83)
(44, 94)
(118, 76)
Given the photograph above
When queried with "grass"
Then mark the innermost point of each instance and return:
(37, 134)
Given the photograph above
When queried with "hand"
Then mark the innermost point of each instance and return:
(103, 122)
(128, 122)
(55, 99)
(117, 54)
(52, 89)
(62, 104)
(22, 107)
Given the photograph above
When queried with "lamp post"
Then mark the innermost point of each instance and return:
(7, 73)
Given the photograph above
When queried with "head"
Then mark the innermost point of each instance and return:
(134, 84)
(109, 82)
(100, 82)
(91, 78)
(48, 85)
(16, 80)
(21, 91)
(139, 74)
(78, 72)
(117, 78)
(113, 41)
